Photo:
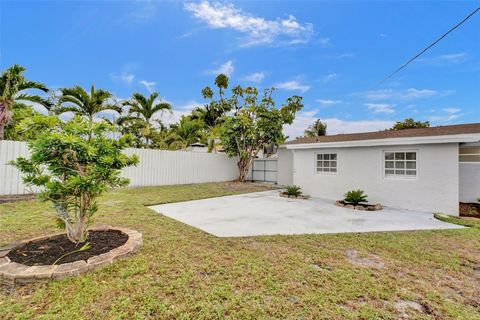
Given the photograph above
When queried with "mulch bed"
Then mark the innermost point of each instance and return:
(470, 209)
(46, 252)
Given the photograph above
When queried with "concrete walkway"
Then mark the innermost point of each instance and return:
(265, 213)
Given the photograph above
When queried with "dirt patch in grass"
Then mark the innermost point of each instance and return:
(49, 251)
(370, 261)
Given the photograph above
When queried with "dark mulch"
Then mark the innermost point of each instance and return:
(470, 209)
(47, 251)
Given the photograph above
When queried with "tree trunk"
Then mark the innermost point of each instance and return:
(243, 167)
(211, 145)
(4, 118)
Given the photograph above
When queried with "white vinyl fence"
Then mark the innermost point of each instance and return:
(156, 167)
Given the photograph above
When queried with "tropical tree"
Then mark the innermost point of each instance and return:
(185, 132)
(13, 92)
(254, 123)
(144, 109)
(318, 128)
(409, 123)
(73, 163)
(211, 114)
(85, 104)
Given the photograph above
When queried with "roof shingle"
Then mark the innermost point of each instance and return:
(389, 134)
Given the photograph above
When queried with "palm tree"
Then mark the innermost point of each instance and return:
(12, 92)
(211, 116)
(318, 128)
(78, 101)
(185, 132)
(145, 109)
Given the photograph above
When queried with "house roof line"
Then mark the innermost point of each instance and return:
(454, 138)
(468, 132)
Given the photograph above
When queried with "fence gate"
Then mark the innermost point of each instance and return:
(264, 170)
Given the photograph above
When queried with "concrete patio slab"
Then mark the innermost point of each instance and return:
(265, 213)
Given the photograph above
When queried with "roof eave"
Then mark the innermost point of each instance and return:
(453, 138)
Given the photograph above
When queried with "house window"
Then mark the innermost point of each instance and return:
(326, 162)
(401, 164)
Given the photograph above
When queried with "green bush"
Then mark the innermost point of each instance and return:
(73, 163)
(355, 197)
(293, 191)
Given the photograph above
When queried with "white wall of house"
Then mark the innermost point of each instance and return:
(436, 187)
(469, 181)
(285, 167)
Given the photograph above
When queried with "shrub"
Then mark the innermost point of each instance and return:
(355, 197)
(72, 163)
(293, 191)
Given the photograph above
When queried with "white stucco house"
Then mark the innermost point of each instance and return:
(427, 169)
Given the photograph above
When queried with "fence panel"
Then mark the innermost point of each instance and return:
(156, 167)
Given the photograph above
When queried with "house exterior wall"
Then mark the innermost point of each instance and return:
(469, 181)
(285, 167)
(436, 187)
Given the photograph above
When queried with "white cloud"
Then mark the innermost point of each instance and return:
(381, 107)
(149, 85)
(125, 77)
(255, 77)
(347, 55)
(143, 10)
(325, 42)
(408, 94)
(448, 114)
(413, 93)
(179, 111)
(329, 77)
(447, 59)
(258, 30)
(334, 125)
(328, 102)
(226, 68)
(293, 85)
(452, 110)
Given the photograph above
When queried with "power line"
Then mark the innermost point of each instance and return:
(429, 46)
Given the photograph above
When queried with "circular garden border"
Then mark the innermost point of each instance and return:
(12, 273)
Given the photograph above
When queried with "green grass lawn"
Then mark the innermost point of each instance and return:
(184, 273)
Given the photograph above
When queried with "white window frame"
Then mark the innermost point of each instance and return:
(399, 176)
(315, 167)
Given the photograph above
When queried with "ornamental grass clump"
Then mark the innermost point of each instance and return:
(355, 197)
(72, 163)
(293, 191)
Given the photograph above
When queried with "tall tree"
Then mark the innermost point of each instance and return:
(254, 123)
(185, 132)
(318, 128)
(211, 114)
(84, 104)
(13, 92)
(409, 123)
(145, 108)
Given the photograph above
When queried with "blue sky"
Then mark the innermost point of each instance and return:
(332, 53)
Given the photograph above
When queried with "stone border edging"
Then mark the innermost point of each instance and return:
(12, 273)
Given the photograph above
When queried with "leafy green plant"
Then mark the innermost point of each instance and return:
(355, 197)
(293, 191)
(72, 163)
(250, 121)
